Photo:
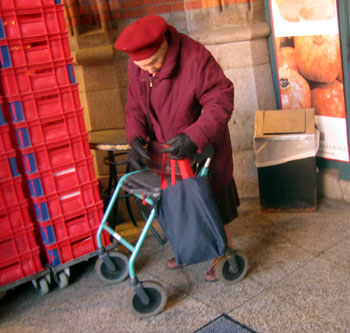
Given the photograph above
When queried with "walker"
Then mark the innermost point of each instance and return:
(149, 298)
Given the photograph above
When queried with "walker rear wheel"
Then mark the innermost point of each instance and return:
(225, 274)
(106, 275)
(157, 302)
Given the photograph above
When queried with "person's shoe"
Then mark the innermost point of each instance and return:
(211, 274)
(172, 264)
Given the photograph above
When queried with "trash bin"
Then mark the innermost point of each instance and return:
(285, 146)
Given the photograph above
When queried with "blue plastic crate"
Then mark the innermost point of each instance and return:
(16, 111)
(5, 59)
(48, 234)
(54, 257)
(71, 74)
(13, 166)
(2, 30)
(35, 188)
(42, 212)
(23, 138)
(2, 117)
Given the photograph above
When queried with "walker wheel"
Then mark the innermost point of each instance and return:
(158, 299)
(225, 275)
(120, 273)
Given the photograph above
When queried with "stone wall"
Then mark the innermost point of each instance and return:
(243, 54)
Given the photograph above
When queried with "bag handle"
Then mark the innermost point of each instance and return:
(184, 167)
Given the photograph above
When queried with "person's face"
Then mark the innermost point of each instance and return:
(154, 63)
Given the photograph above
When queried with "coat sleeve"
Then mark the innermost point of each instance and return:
(215, 94)
(135, 119)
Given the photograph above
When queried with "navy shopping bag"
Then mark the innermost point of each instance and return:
(189, 218)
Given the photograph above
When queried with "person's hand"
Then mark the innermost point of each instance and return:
(138, 151)
(180, 147)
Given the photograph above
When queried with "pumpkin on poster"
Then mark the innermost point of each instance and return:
(295, 90)
(328, 99)
(318, 57)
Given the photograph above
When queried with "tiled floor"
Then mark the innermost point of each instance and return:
(298, 281)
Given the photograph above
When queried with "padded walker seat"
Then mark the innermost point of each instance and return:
(144, 183)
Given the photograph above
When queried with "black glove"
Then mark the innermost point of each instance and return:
(138, 151)
(181, 146)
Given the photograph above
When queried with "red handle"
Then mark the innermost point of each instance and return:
(184, 167)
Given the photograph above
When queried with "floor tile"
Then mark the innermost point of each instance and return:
(322, 287)
(272, 314)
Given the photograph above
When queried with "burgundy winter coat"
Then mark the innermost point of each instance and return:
(189, 95)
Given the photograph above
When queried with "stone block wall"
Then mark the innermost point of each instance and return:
(243, 54)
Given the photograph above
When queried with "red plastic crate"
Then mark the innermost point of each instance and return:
(15, 217)
(16, 243)
(25, 4)
(60, 229)
(8, 165)
(5, 140)
(27, 79)
(11, 192)
(60, 179)
(65, 251)
(25, 265)
(38, 105)
(37, 51)
(48, 130)
(28, 23)
(68, 204)
(56, 154)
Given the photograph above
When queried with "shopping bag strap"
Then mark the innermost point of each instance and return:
(184, 167)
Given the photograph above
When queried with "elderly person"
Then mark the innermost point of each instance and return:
(179, 96)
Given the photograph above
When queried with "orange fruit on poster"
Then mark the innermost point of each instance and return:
(318, 57)
(286, 58)
(295, 90)
(328, 99)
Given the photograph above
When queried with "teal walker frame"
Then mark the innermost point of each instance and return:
(148, 298)
(148, 225)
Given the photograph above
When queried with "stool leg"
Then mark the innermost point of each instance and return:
(127, 201)
(112, 179)
(112, 183)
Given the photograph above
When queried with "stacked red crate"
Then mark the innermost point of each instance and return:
(19, 251)
(48, 123)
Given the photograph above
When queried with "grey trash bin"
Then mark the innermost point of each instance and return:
(285, 146)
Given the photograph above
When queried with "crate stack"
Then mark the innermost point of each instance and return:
(41, 100)
(19, 250)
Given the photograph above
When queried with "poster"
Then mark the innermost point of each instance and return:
(308, 58)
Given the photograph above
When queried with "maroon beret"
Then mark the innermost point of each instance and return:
(143, 38)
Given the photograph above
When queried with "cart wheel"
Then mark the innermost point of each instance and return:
(63, 280)
(43, 287)
(106, 275)
(158, 299)
(223, 272)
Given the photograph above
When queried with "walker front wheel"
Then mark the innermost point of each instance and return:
(116, 275)
(226, 274)
(157, 300)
